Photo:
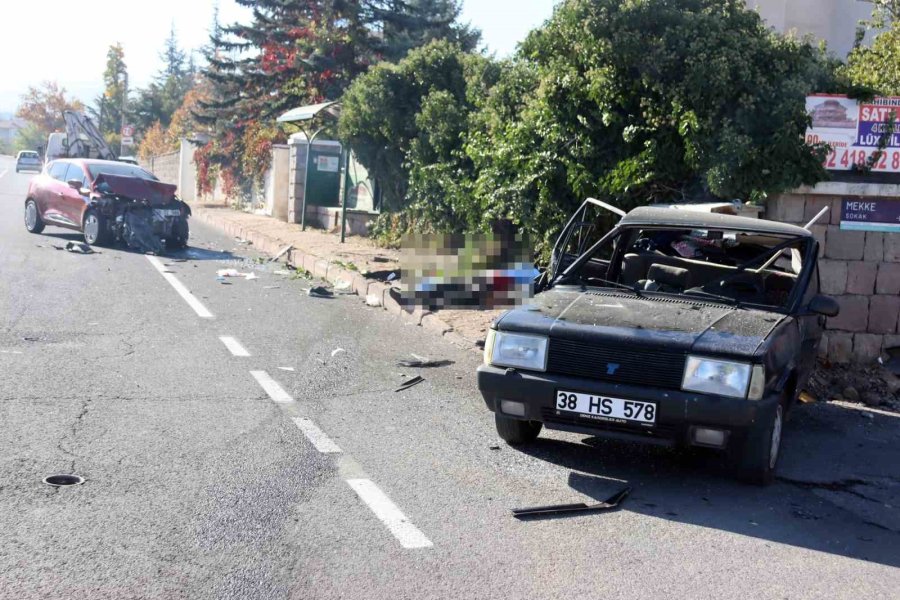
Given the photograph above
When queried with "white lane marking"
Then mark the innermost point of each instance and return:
(396, 522)
(234, 346)
(3, 173)
(275, 391)
(317, 437)
(192, 301)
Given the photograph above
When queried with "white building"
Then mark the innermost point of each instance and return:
(834, 21)
(9, 128)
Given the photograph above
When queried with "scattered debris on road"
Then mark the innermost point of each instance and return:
(319, 292)
(343, 287)
(560, 509)
(423, 362)
(281, 253)
(412, 382)
(243, 242)
(373, 301)
(79, 248)
(222, 274)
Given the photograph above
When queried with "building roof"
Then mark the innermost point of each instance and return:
(689, 219)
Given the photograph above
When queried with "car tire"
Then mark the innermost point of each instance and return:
(756, 459)
(515, 432)
(180, 234)
(33, 221)
(95, 229)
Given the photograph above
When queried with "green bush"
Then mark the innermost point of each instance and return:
(633, 101)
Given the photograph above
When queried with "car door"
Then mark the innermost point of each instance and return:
(590, 223)
(73, 202)
(49, 193)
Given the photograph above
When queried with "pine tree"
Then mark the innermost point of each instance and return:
(408, 24)
(112, 103)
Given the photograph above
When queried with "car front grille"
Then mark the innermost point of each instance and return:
(616, 364)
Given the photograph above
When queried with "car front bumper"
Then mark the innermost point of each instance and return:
(678, 413)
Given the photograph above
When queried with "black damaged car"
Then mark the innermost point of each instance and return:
(675, 327)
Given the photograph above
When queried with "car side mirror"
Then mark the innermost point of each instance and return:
(75, 184)
(825, 306)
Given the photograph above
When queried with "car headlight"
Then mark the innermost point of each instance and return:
(721, 377)
(516, 350)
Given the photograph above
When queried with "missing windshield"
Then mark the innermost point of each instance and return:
(732, 267)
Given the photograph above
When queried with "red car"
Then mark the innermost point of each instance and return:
(108, 201)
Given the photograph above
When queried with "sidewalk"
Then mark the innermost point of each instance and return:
(357, 261)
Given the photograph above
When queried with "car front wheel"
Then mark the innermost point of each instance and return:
(96, 232)
(180, 235)
(515, 432)
(756, 459)
(33, 221)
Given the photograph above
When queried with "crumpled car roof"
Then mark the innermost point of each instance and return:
(690, 219)
(136, 188)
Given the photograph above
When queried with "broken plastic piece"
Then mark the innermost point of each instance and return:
(423, 362)
(281, 253)
(234, 273)
(559, 509)
(392, 277)
(319, 292)
(412, 382)
(79, 248)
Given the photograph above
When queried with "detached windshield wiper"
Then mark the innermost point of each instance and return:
(699, 292)
(616, 284)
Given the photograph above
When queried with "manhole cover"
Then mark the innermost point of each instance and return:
(63, 480)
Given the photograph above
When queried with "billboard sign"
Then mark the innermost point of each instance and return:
(854, 129)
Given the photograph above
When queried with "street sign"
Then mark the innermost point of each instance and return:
(871, 215)
(127, 141)
(127, 131)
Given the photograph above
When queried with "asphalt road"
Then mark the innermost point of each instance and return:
(298, 472)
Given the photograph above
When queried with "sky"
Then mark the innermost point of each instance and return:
(71, 48)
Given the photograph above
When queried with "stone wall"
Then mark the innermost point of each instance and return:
(860, 269)
(165, 166)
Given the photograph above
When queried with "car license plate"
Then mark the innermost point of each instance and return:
(163, 213)
(602, 408)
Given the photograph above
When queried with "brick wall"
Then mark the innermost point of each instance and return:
(860, 269)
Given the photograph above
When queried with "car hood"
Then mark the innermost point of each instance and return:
(156, 193)
(659, 322)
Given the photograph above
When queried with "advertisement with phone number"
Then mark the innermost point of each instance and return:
(854, 131)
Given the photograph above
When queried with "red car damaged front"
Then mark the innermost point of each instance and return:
(144, 213)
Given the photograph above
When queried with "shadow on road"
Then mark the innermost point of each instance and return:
(837, 492)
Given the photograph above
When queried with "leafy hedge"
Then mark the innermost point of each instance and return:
(633, 101)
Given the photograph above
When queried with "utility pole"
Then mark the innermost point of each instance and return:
(124, 117)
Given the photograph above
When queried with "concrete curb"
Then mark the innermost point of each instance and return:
(324, 268)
